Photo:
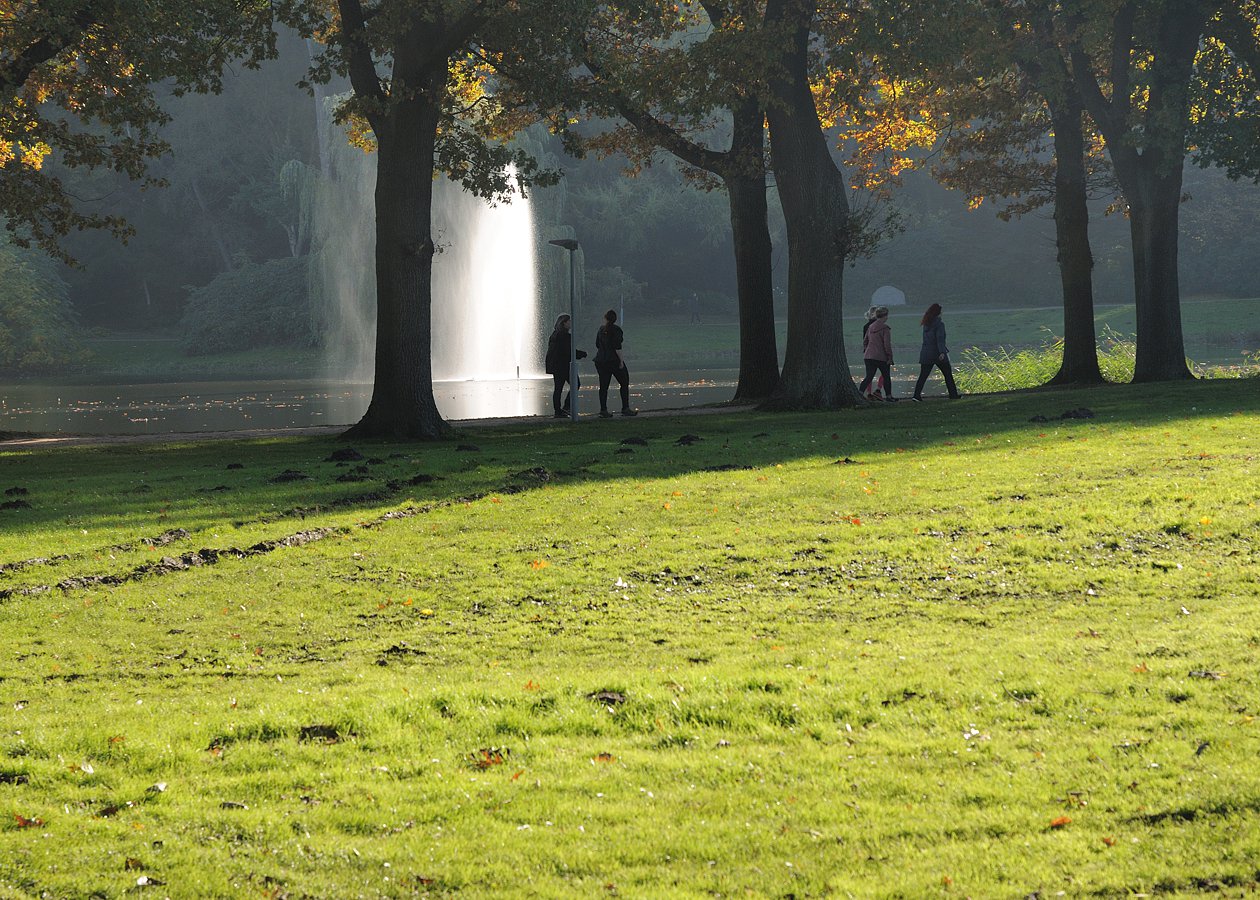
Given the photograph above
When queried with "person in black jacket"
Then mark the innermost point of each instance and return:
(559, 351)
(934, 353)
(611, 364)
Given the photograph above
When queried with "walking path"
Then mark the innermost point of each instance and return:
(39, 441)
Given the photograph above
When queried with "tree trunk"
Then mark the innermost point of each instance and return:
(1076, 260)
(816, 211)
(758, 345)
(1148, 161)
(402, 403)
(1154, 204)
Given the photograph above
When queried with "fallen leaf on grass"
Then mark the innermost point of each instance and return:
(1061, 822)
(539, 564)
(487, 757)
(23, 822)
(517, 774)
(604, 758)
(117, 739)
(1109, 841)
(1141, 668)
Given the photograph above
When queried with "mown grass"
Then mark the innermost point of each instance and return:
(893, 656)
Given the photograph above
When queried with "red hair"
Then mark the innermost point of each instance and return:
(933, 312)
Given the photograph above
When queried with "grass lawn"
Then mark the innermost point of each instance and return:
(1216, 330)
(913, 650)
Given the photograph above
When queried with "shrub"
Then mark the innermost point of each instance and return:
(254, 305)
(38, 328)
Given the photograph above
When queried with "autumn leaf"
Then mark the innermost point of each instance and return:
(1109, 841)
(23, 822)
(532, 685)
(539, 564)
(1061, 822)
(488, 757)
(1142, 668)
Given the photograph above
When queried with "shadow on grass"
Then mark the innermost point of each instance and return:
(154, 488)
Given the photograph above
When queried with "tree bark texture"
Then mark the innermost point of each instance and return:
(1154, 206)
(402, 404)
(1076, 260)
(816, 211)
(754, 255)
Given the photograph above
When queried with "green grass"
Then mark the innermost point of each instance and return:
(890, 676)
(1216, 331)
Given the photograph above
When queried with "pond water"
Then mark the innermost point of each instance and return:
(231, 406)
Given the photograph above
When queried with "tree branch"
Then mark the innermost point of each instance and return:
(660, 133)
(359, 63)
(15, 72)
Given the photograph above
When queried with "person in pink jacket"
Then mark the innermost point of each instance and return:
(878, 354)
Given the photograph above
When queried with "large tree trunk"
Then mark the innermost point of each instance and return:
(1148, 161)
(402, 403)
(1076, 260)
(816, 210)
(1154, 204)
(754, 253)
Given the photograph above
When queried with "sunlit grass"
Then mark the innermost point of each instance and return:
(984, 656)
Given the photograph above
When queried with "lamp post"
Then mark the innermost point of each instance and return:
(571, 245)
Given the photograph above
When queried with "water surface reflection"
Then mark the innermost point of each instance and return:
(232, 406)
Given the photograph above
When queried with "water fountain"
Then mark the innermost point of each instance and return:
(487, 340)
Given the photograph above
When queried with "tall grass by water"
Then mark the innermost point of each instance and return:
(988, 371)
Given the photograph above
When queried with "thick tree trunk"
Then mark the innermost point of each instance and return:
(1076, 260)
(1148, 159)
(758, 346)
(816, 210)
(1154, 204)
(402, 403)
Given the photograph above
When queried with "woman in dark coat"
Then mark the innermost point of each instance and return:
(559, 351)
(611, 364)
(934, 353)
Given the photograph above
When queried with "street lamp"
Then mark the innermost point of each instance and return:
(571, 245)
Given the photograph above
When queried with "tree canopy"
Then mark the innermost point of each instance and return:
(78, 79)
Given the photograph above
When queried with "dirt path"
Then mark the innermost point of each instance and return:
(41, 441)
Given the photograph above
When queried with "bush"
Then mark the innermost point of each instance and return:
(254, 305)
(39, 332)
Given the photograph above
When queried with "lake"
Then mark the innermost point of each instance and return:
(231, 406)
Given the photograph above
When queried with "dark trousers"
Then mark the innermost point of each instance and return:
(606, 375)
(561, 380)
(874, 366)
(926, 369)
